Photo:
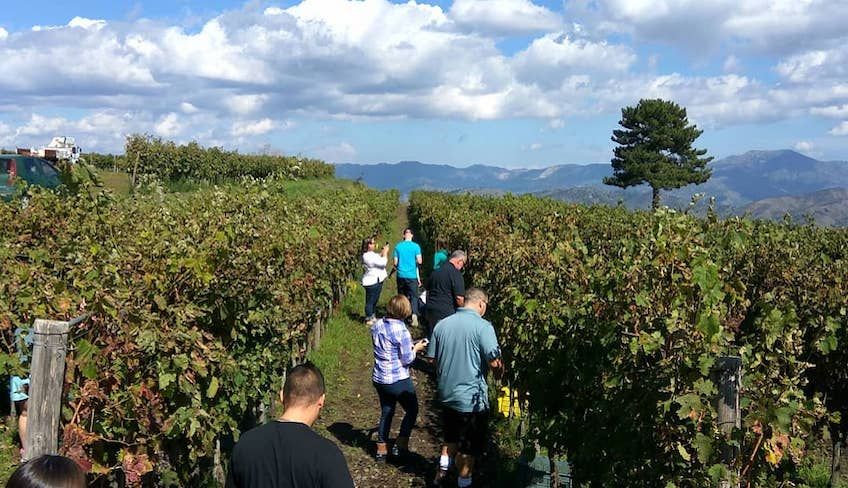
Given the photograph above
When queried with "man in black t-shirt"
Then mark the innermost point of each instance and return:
(445, 290)
(287, 453)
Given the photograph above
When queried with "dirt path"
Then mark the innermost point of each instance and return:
(352, 409)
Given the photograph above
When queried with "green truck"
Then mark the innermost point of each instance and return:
(32, 170)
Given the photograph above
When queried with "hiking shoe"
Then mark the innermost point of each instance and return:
(399, 454)
(441, 478)
(380, 458)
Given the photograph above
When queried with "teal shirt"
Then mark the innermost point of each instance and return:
(463, 345)
(439, 258)
(16, 388)
(407, 253)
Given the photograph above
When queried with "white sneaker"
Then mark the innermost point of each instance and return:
(414, 320)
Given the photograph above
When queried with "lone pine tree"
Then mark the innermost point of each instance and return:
(655, 147)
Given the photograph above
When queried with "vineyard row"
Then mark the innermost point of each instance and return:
(611, 322)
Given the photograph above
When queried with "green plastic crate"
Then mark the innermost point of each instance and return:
(537, 473)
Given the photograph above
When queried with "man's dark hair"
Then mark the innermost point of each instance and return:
(475, 295)
(48, 470)
(408, 229)
(304, 385)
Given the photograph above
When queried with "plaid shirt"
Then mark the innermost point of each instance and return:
(392, 351)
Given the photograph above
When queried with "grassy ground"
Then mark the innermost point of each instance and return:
(9, 452)
(117, 182)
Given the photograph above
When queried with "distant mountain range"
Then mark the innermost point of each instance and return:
(412, 175)
(764, 184)
(826, 207)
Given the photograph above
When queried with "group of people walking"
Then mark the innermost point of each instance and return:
(460, 345)
(459, 342)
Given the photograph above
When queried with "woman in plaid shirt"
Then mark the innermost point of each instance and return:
(394, 352)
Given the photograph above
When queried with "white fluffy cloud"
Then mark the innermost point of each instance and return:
(103, 129)
(7, 136)
(245, 104)
(556, 123)
(779, 26)
(731, 64)
(804, 146)
(168, 125)
(833, 111)
(240, 74)
(551, 59)
(336, 58)
(87, 24)
(340, 153)
(840, 130)
(819, 64)
(253, 128)
(81, 61)
(188, 108)
(504, 17)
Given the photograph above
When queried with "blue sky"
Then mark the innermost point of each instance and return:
(507, 82)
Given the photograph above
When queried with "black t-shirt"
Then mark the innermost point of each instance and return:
(443, 286)
(287, 455)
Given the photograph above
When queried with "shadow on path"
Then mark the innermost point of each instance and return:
(413, 463)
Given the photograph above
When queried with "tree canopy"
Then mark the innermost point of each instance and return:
(655, 147)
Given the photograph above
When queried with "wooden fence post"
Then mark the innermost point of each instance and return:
(728, 380)
(836, 456)
(47, 375)
(553, 468)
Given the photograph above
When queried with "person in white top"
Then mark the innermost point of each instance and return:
(375, 275)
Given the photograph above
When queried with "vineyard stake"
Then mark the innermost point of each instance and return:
(728, 372)
(49, 347)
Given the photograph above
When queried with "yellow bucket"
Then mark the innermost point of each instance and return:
(504, 398)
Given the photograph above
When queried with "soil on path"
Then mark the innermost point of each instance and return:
(352, 409)
(350, 418)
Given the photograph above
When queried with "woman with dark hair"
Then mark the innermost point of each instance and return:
(441, 254)
(48, 472)
(375, 275)
(394, 352)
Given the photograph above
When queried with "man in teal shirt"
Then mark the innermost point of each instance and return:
(407, 257)
(464, 347)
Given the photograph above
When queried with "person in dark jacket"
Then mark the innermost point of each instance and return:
(445, 290)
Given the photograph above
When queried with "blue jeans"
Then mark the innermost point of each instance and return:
(402, 392)
(372, 295)
(409, 289)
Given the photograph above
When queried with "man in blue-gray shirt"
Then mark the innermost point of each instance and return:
(407, 258)
(464, 347)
